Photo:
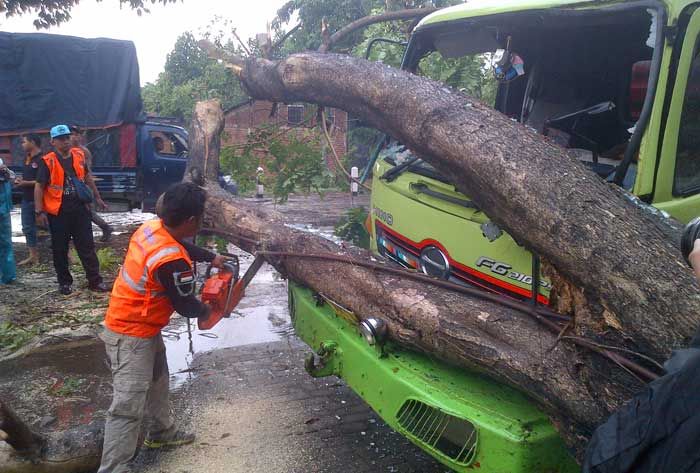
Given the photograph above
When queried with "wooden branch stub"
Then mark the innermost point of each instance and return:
(233, 63)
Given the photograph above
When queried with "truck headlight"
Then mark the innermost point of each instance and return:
(374, 330)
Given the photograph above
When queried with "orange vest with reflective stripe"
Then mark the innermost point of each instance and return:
(53, 192)
(138, 305)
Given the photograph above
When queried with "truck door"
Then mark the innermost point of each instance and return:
(678, 177)
(164, 158)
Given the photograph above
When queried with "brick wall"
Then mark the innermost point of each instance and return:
(243, 119)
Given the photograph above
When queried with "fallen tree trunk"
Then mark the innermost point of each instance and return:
(633, 283)
(577, 387)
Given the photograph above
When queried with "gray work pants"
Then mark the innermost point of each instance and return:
(140, 381)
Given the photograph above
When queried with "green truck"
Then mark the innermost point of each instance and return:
(618, 83)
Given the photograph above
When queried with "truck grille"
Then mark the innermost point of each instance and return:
(437, 430)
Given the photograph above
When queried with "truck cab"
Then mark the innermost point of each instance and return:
(618, 84)
(596, 80)
(152, 157)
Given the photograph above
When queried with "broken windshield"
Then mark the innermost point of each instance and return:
(576, 77)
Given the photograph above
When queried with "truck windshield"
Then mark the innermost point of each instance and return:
(578, 77)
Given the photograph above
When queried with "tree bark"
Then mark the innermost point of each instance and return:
(632, 283)
(577, 388)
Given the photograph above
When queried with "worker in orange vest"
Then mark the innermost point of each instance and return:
(156, 279)
(64, 188)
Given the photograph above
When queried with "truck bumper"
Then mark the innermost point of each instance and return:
(463, 419)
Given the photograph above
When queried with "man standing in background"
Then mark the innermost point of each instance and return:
(78, 141)
(31, 144)
(58, 204)
(7, 256)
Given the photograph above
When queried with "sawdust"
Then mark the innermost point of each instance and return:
(230, 437)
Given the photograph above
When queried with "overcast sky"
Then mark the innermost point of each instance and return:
(154, 33)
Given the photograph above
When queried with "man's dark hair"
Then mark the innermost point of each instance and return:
(34, 138)
(180, 202)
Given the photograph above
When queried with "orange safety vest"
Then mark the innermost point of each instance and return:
(138, 305)
(53, 193)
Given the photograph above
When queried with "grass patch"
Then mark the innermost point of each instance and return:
(108, 259)
(69, 387)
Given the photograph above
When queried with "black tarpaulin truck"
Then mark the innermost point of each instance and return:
(93, 84)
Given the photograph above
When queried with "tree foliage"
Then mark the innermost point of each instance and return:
(294, 162)
(186, 61)
(54, 12)
(337, 13)
(471, 75)
(190, 76)
(351, 227)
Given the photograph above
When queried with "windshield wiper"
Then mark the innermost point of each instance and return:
(396, 171)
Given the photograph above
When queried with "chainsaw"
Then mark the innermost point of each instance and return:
(223, 291)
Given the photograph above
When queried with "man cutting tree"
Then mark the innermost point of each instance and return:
(156, 279)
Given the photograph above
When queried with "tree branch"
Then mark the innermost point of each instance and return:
(370, 20)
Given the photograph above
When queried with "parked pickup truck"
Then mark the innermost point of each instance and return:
(618, 83)
(93, 84)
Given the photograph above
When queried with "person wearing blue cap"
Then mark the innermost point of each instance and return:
(7, 256)
(63, 190)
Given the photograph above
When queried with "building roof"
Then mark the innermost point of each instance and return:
(239, 105)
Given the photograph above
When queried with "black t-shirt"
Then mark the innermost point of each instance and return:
(29, 171)
(70, 201)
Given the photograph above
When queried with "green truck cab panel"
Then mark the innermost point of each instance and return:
(656, 159)
(406, 223)
(466, 421)
(678, 176)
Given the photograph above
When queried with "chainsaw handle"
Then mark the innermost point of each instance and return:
(230, 267)
(207, 273)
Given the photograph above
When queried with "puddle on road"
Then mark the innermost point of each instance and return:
(262, 316)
